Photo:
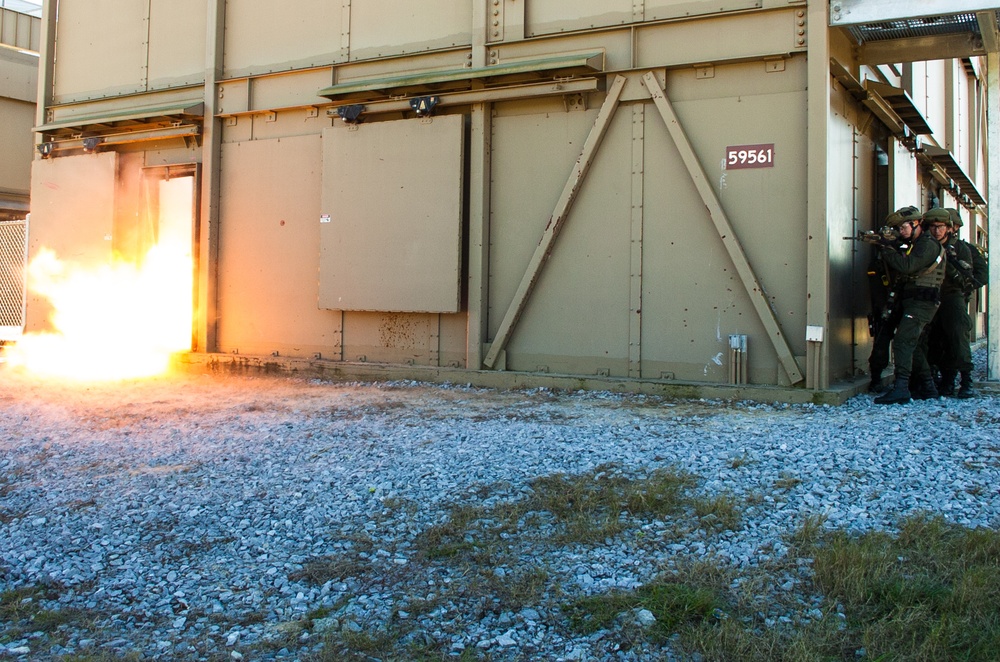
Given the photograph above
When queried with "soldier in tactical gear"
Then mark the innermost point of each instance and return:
(941, 339)
(951, 329)
(886, 288)
(921, 268)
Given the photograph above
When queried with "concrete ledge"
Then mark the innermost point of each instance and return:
(353, 371)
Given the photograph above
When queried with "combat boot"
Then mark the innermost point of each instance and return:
(877, 385)
(965, 389)
(899, 395)
(947, 386)
(924, 388)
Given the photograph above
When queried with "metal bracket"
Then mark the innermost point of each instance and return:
(575, 102)
(45, 149)
(90, 143)
(351, 114)
(424, 106)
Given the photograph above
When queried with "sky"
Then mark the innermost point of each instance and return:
(33, 7)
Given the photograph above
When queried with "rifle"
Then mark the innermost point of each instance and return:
(872, 237)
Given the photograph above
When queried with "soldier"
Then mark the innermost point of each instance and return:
(887, 313)
(967, 271)
(943, 339)
(921, 267)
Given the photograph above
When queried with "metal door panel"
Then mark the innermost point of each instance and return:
(177, 31)
(380, 28)
(268, 233)
(72, 214)
(108, 41)
(264, 37)
(391, 224)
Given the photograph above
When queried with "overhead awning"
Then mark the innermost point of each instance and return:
(145, 118)
(902, 105)
(963, 185)
(13, 202)
(888, 31)
(384, 87)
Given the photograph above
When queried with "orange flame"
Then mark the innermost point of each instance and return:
(112, 321)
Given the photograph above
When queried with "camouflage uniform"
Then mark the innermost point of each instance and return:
(884, 319)
(922, 265)
(885, 286)
(952, 329)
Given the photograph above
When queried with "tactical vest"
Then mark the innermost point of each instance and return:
(933, 275)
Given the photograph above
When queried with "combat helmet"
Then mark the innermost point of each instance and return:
(956, 218)
(902, 215)
(938, 215)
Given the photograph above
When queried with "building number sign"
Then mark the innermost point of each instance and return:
(749, 156)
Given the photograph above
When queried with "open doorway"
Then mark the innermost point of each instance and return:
(169, 225)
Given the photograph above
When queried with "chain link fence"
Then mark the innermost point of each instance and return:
(13, 260)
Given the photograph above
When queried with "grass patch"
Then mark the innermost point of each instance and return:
(787, 482)
(352, 562)
(930, 592)
(672, 604)
(588, 508)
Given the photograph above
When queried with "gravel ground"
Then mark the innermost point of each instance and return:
(183, 515)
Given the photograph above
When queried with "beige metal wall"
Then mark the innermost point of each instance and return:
(665, 252)
(108, 48)
(19, 31)
(18, 86)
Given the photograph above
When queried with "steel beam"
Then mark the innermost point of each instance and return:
(46, 67)
(913, 49)
(556, 222)
(206, 332)
(988, 29)
(635, 240)
(993, 172)
(480, 148)
(818, 111)
(755, 290)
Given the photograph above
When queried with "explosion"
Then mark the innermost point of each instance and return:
(117, 320)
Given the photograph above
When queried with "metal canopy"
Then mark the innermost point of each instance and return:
(902, 105)
(859, 12)
(963, 184)
(888, 31)
(369, 89)
(164, 116)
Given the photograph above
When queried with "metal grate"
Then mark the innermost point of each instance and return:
(915, 27)
(13, 261)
